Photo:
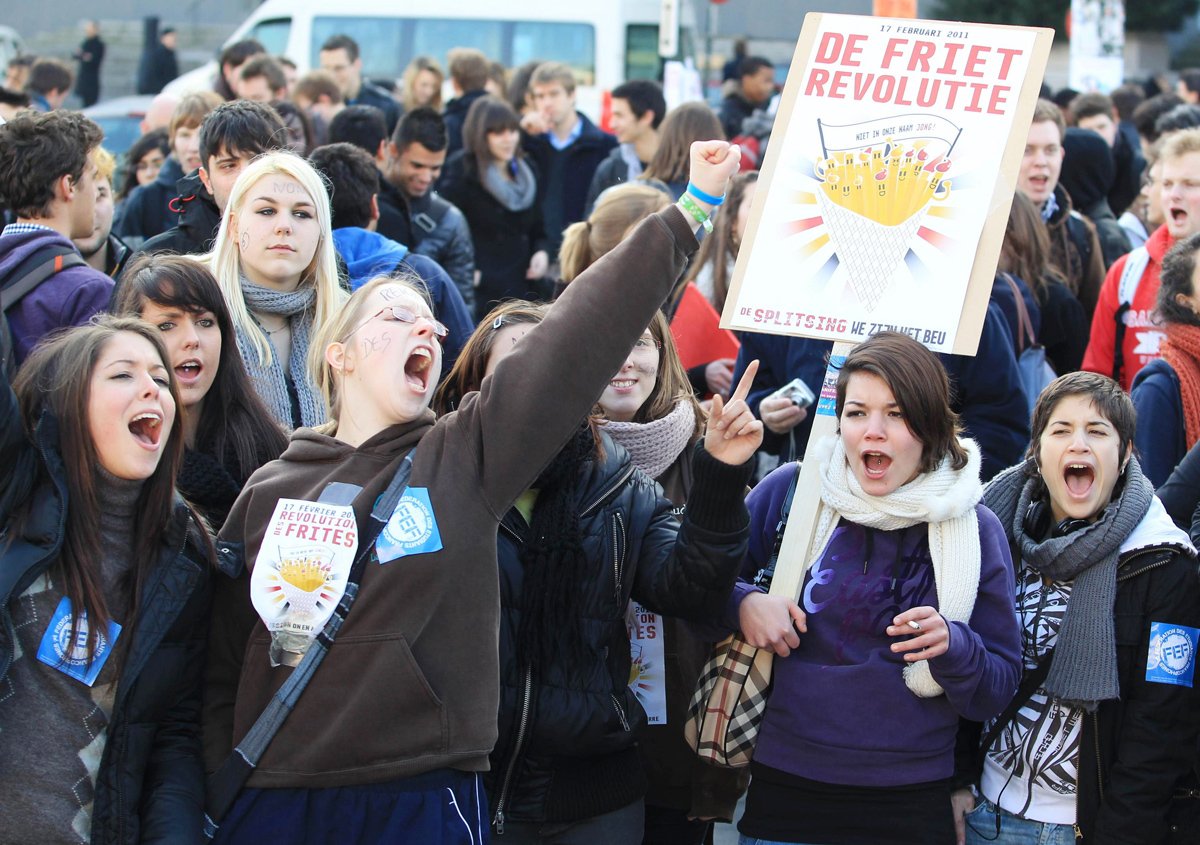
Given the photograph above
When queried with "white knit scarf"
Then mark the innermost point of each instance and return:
(655, 445)
(944, 499)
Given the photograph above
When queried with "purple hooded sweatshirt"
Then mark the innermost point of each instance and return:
(70, 297)
(839, 711)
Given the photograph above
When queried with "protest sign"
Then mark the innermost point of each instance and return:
(888, 180)
(883, 204)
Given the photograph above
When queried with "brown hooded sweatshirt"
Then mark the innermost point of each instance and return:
(412, 683)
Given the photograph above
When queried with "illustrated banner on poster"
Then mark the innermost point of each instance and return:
(888, 180)
(647, 670)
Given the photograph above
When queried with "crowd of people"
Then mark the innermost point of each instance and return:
(348, 439)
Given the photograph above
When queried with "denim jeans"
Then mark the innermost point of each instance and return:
(981, 828)
(750, 840)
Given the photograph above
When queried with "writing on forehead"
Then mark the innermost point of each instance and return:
(288, 188)
(393, 292)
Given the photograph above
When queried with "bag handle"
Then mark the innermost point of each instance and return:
(225, 783)
(1026, 336)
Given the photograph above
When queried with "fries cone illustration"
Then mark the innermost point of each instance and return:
(302, 574)
(874, 198)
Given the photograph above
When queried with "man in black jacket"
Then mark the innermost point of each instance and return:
(231, 136)
(159, 65)
(756, 84)
(411, 211)
(566, 147)
(340, 56)
(468, 76)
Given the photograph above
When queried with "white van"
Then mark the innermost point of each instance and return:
(605, 43)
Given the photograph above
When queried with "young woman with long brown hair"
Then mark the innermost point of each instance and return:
(104, 579)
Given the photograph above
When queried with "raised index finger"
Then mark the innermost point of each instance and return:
(746, 383)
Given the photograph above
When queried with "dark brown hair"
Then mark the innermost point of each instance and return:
(1026, 250)
(36, 150)
(918, 381)
(56, 380)
(682, 125)
(487, 115)
(232, 417)
(1109, 399)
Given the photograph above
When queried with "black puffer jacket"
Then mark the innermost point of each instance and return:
(150, 783)
(199, 221)
(567, 748)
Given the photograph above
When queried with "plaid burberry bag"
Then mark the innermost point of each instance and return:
(731, 696)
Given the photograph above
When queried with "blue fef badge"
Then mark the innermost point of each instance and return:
(412, 530)
(71, 658)
(1172, 655)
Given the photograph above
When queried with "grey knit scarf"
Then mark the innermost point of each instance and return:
(1084, 671)
(516, 193)
(270, 382)
(655, 445)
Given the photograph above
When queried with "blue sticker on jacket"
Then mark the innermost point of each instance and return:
(412, 530)
(1172, 655)
(71, 658)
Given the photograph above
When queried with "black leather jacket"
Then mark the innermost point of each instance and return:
(567, 746)
(150, 783)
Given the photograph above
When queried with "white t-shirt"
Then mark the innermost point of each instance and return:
(1032, 768)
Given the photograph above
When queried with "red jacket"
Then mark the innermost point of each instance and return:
(1142, 336)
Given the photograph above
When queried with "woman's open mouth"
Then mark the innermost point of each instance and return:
(146, 429)
(1079, 479)
(188, 372)
(876, 464)
(416, 368)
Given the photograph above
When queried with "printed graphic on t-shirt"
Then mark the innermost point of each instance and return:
(300, 573)
(1032, 768)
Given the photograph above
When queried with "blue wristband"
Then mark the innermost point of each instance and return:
(703, 197)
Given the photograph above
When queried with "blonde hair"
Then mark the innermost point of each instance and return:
(338, 327)
(409, 83)
(106, 165)
(225, 261)
(619, 209)
(1179, 144)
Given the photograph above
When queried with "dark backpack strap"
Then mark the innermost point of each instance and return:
(35, 269)
(226, 783)
(426, 222)
(766, 574)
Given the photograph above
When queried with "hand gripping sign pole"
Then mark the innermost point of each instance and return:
(883, 204)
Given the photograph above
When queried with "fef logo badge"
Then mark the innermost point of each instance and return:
(412, 529)
(1172, 654)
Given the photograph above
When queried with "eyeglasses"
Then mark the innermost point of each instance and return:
(645, 347)
(403, 315)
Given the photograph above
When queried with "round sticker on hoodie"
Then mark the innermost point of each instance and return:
(300, 573)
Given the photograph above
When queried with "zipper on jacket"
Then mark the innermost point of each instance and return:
(526, 697)
(618, 528)
(608, 491)
(620, 711)
(1163, 561)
